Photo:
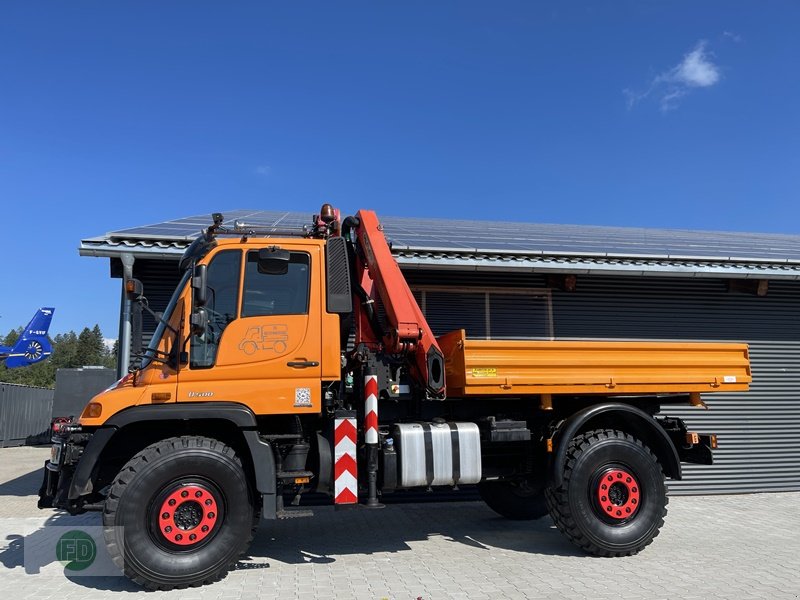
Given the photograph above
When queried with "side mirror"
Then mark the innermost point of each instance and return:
(199, 321)
(273, 261)
(199, 289)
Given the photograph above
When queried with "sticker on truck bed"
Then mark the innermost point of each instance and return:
(484, 372)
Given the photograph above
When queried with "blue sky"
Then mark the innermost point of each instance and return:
(116, 114)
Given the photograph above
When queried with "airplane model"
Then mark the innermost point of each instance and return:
(33, 345)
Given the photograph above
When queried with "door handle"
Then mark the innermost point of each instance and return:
(302, 364)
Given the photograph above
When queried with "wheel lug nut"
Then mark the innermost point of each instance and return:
(165, 515)
(211, 515)
(627, 510)
(208, 502)
(204, 528)
(604, 486)
(610, 478)
(193, 537)
(172, 502)
(633, 501)
(619, 475)
(628, 479)
(184, 494)
(619, 512)
(634, 490)
(168, 529)
(602, 498)
(178, 537)
(198, 493)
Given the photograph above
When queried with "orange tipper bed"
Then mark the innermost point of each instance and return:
(512, 367)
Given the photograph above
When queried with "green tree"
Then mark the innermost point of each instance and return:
(91, 348)
(12, 337)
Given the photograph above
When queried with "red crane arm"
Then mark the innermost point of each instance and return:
(408, 331)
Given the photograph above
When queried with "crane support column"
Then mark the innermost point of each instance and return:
(371, 435)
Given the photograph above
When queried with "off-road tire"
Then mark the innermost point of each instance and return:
(133, 540)
(512, 501)
(575, 508)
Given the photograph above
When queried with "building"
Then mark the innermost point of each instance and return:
(523, 280)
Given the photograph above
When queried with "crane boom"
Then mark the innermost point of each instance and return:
(408, 332)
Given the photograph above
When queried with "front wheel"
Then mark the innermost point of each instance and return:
(612, 500)
(179, 513)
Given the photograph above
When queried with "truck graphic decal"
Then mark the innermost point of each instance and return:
(265, 337)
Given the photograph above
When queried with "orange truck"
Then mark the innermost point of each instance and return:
(289, 362)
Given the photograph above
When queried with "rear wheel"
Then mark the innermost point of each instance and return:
(613, 500)
(517, 500)
(179, 513)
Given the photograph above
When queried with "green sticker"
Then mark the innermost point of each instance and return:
(76, 550)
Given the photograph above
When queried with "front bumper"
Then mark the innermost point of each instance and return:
(68, 445)
(55, 486)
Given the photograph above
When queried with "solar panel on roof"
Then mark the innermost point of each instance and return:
(465, 235)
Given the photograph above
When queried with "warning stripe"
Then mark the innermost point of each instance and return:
(371, 409)
(345, 467)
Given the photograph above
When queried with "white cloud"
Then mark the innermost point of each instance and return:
(733, 36)
(696, 70)
(109, 342)
(263, 170)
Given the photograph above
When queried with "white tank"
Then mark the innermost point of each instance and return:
(438, 453)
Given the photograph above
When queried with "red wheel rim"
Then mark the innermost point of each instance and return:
(188, 515)
(619, 494)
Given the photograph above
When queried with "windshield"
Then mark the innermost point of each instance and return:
(162, 325)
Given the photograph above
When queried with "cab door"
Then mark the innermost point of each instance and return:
(262, 346)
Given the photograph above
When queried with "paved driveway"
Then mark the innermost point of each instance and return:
(734, 547)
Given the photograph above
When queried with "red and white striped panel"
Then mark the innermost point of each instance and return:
(345, 468)
(371, 409)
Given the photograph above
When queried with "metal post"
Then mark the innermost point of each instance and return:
(124, 346)
(371, 435)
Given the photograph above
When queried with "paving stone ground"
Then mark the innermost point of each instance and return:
(737, 547)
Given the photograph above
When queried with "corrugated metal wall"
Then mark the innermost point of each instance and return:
(159, 278)
(759, 431)
(24, 414)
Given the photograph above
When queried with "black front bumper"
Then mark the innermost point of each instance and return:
(55, 486)
(58, 488)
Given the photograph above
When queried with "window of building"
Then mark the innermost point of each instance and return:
(488, 313)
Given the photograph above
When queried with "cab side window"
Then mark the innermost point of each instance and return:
(268, 294)
(223, 295)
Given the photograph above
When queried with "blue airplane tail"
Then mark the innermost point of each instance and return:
(33, 345)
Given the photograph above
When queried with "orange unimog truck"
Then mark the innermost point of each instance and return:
(298, 361)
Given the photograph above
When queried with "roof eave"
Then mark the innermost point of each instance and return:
(579, 264)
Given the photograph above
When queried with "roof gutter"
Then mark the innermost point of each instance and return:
(532, 261)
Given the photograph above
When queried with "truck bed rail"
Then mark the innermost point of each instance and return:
(515, 367)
